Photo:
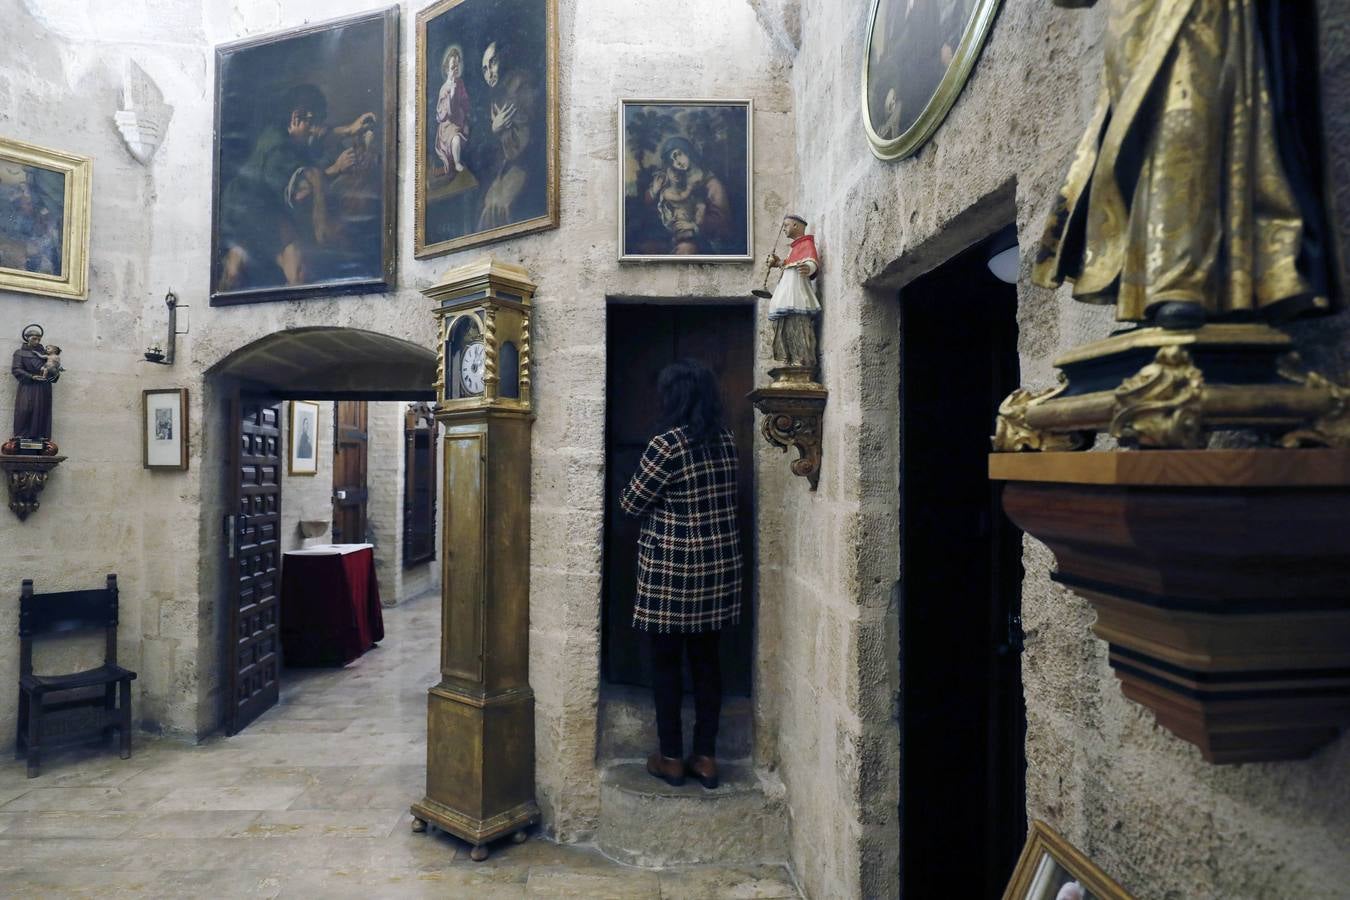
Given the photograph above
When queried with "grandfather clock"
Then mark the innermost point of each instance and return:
(480, 717)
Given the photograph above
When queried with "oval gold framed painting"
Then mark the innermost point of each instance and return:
(919, 54)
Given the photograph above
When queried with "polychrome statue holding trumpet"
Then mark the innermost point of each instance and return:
(793, 307)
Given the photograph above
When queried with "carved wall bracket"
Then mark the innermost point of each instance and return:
(793, 418)
(1219, 582)
(26, 476)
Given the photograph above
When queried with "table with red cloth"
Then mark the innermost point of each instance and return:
(330, 604)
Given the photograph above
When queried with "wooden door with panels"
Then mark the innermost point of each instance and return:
(350, 444)
(642, 341)
(253, 530)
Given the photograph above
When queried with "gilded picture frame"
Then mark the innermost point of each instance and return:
(501, 181)
(710, 144)
(302, 438)
(896, 126)
(44, 239)
(301, 116)
(1050, 868)
(164, 429)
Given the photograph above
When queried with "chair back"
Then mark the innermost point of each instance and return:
(62, 612)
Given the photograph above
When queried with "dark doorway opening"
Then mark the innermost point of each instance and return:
(963, 722)
(642, 339)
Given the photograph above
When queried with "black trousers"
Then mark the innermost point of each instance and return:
(668, 687)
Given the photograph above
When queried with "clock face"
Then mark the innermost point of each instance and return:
(471, 367)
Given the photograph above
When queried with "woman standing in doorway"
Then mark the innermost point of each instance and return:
(689, 562)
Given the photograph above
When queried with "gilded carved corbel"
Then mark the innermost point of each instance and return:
(1332, 427)
(1013, 433)
(1162, 406)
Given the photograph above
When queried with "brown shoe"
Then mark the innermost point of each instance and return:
(668, 768)
(704, 768)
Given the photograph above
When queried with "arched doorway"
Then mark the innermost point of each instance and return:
(248, 467)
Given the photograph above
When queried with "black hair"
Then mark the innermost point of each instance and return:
(690, 399)
(305, 98)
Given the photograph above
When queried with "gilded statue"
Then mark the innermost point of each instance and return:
(1195, 194)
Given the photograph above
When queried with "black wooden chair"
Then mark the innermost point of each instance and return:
(43, 615)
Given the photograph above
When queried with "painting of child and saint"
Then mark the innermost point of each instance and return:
(487, 122)
(305, 162)
(686, 180)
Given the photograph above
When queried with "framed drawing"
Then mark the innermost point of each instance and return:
(1050, 868)
(304, 195)
(303, 438)
(487, 122)
(164, 433)
(918, 56)
(44, 220)
(686, 182)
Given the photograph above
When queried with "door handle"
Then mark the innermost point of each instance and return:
(340, 495)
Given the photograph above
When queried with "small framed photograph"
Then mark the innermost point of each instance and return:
(1050, 868)
(165, 439)
(304, 438)
(685, 180)
(44, 220)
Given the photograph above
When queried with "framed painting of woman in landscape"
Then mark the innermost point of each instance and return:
(304, 199)
(918, 56)
(487, 122)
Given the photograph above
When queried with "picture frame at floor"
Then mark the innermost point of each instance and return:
(302, 439)
(916, 60)
(1050, 868)
(44, 220)
(304, 194)
(686, 181)
(164, 434)
(487, 128)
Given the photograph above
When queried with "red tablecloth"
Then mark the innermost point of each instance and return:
(330, 605)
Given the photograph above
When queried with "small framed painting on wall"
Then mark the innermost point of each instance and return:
(304, 438)
(164, 436)
(44, 220)
(1051, 868)
(685, 180)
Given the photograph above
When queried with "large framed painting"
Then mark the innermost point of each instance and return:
(44, 220)
(686, 185)
(919, 54)
(487, 122)
(1050, 868)
(304, 196)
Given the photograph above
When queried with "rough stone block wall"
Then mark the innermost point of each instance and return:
(1133, 797)
(384, 492)
(307, 498)
(151, 227)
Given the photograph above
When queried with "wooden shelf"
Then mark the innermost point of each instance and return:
(1179, 468)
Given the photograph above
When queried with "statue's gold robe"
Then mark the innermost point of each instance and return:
(1178, 191)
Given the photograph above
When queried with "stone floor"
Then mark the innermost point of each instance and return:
(311, 800)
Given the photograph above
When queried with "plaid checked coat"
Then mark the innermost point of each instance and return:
(689, 554)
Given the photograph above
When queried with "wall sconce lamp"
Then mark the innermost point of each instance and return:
(1004, 257)
(157, 355)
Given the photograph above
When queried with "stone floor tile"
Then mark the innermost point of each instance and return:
(217, 884)
(81, 881)
(35, 856)
(727, 883)
(188, 824)
(617, 884)
(75, 799)
(363, 823)
(61, 824)
(239, 796)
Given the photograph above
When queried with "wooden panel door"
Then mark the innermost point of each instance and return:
(252, 641)
(642, 341)
(349, 471)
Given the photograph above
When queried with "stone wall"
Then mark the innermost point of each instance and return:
(307, 498)
(1133, 797)
(160, 531)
